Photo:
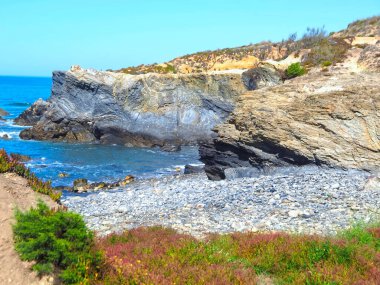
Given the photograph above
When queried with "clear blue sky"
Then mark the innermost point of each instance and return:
(39, 36)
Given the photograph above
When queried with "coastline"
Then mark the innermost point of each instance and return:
(321, 201)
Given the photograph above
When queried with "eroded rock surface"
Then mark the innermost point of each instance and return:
(323, 118)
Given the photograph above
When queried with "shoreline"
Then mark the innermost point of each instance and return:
(321, 202)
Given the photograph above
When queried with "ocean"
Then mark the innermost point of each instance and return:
(92, 161)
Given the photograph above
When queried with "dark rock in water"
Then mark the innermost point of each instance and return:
(3, 112)
(80, 182)
(80, 185)
(127, 179)
(171, 148)
(148, 110)
(99, 186)
(5, 137)
(2, 119)
(63, 188)
(20, 157)
(33, 114)
(192, 169)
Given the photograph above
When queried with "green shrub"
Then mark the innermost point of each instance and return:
(56, 239)
(294, 70)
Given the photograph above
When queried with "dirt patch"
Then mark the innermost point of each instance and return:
(14, 192)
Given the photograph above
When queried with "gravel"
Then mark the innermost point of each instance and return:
(322, 201)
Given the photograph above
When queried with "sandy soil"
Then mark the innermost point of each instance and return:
(15, 193)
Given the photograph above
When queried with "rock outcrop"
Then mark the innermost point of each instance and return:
(3, 112)
(136, 110)
(33, 114)
(327, 118)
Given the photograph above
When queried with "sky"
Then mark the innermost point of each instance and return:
(39, 36)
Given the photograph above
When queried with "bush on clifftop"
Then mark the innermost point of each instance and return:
(294, 70)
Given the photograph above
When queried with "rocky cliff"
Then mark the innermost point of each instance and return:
(329, 117)
(137, 110)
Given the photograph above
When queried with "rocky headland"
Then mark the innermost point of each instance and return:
(138, 110)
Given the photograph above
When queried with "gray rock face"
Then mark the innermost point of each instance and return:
(133, 110)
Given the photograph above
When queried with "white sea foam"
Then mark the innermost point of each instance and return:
(11, 124)
(9, 134)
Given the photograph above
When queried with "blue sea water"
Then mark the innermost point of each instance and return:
(91, 161)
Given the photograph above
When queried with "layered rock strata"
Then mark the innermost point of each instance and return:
(326, 118)
(137, 110)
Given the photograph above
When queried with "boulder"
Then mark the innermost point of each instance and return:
(262, 76)
(192, 169)
(80, 185)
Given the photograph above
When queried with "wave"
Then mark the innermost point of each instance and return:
(10, 134)
(10, 123)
